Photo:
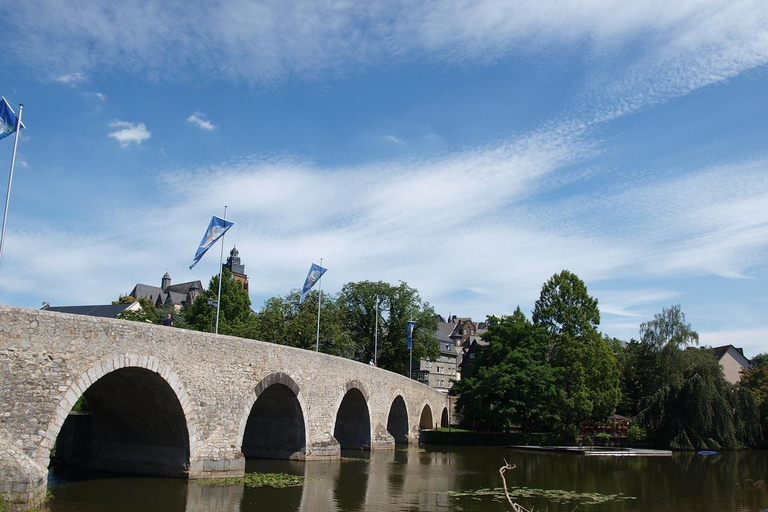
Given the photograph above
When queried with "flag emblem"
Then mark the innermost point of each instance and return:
(411, 324)
(8, 119)
(216, 230)
(314, 275)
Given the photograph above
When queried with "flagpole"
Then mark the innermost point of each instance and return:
(10, 180)
(319, 300)
(221, 262)
(376, 334)
(410, 362)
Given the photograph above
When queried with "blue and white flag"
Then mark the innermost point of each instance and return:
(216, 230)
(315, 273)
(8, 119)
(411, 323)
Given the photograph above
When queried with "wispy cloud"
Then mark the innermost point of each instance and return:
(751, 340)
(237, 40)
(393, 139)
(128, 133)
(200, 119)
(72, 79)
(98, 95)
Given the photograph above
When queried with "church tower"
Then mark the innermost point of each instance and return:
(238, 270)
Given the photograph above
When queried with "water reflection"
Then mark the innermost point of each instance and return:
(419, 479)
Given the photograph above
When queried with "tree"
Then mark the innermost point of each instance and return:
(284, 321)
(513, 383)
(358, 301)
(235, 315)
(755, 380)
(685, 401)
(147, 313)
(565, 307)
(403, 304)
(587, 375)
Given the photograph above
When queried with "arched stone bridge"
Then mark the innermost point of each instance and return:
(172, 402)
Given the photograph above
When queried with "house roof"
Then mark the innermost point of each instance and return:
(738, 354)
(443, 332)
(104, 311)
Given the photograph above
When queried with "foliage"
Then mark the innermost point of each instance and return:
(513, 383)
(235, 315)
(697, 405)
(587, 374)
(402, 304)
(81, 405)
(636, 434)
(146, 314)
(755, 381)
(760, 360)
(565, 307)
(284, 321)
(668, 329)
(358, 300)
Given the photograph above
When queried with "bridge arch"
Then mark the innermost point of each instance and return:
(141, 419)
(352, 428)
(397, 420)
(444, 419)
(425, 421)
(273, 424)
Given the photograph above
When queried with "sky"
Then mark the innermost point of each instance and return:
(471, 149)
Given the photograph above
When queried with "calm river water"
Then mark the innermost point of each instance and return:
(428, 479)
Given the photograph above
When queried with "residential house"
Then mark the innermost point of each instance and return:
(732, 360)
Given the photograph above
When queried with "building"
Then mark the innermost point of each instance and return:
(104, 310)
(438, 374)
(732, 360)
(179, 294)
(459, 339)
(238, 270)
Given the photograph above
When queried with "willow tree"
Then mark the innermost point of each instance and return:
(688, 404)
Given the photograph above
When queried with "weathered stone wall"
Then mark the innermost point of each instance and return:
(48, 360)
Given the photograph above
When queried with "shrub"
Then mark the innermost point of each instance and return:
(636, 434)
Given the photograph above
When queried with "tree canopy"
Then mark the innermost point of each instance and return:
(235, 315)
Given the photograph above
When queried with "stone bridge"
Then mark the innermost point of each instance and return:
(172, 402)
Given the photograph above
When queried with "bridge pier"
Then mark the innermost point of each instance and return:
(217, 468)
(22, 480)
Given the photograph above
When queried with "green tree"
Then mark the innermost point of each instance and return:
(755, 380)
(684, 400)
(565, 307)
(403, 304)
(358, 301)
(513, 383)
(585, 366)
(235, 315)
(147, 313)
(284, 321)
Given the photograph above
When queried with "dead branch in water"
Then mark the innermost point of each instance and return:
(515, 506)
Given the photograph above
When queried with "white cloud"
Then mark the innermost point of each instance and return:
(72, 79)
(393, 139)
(200, 119)
(241, 41)
(100, 96)
(128, 133)
(753, 341)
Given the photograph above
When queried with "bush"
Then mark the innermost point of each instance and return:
(636, 434)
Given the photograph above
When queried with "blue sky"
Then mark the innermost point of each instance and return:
(470, 149)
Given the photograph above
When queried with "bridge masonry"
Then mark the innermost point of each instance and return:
(196, 391)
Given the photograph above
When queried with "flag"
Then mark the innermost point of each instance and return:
(315, 273)
(411, 323)
(8, 119)
(216, 230)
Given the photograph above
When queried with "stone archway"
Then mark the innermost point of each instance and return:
(353, 422)
(444, 421)
(425, 422)
(136, 424)
(275, 425)
(397, 421)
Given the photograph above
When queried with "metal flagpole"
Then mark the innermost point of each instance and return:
(10, 179)
(221, 262)
(376, 335)
(319, 300)
(410, 363)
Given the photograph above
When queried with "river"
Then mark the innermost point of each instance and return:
(434, 478)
